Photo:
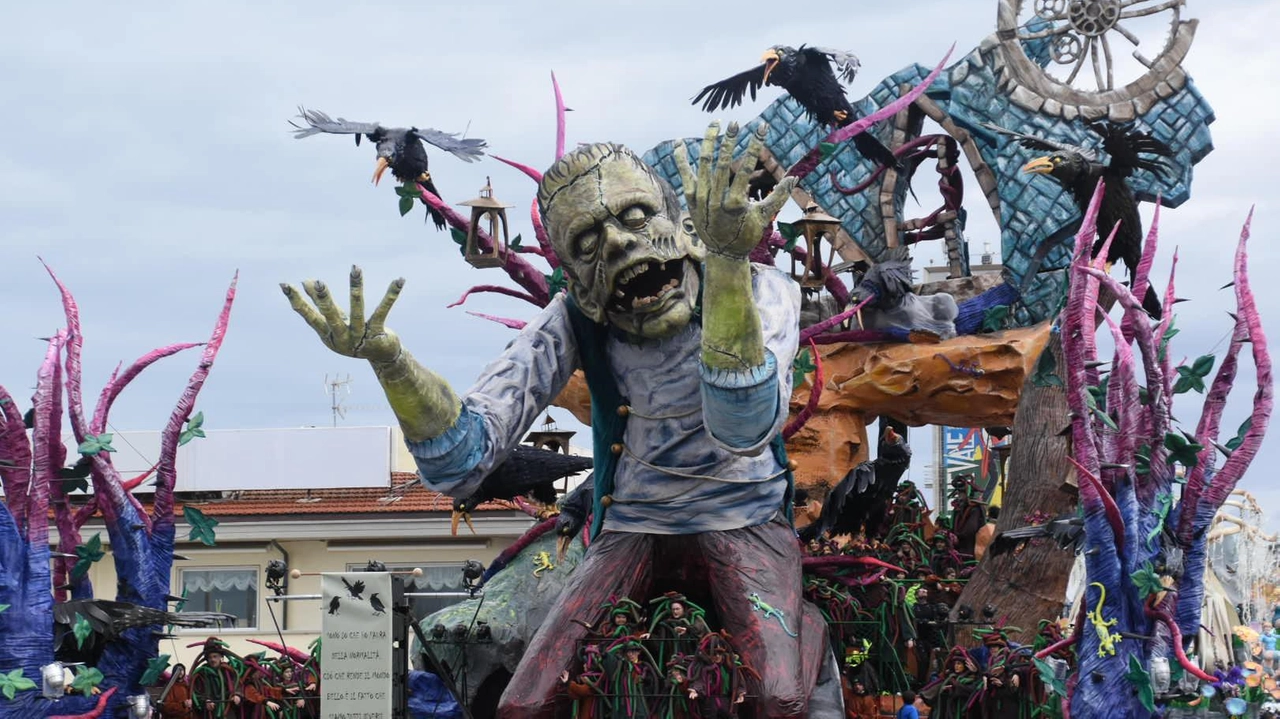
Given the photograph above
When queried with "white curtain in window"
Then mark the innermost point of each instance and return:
(439, 578)
(222, 580)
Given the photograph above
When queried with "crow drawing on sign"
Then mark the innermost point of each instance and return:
(355, 590)
(334, 604)
(376, 603)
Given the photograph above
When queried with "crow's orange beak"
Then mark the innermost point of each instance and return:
(1039, 166)
(770, 59)
(562, 546)
(890, 436)
(380, 168)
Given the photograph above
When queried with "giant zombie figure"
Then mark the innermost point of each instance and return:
(687, 348)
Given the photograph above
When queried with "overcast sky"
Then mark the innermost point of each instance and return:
(148, 158)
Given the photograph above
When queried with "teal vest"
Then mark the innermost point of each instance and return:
(609, 416)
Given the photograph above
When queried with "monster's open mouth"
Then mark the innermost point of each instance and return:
(645, 284)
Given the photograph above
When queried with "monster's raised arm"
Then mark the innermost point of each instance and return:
(422, 400)
(730, 226)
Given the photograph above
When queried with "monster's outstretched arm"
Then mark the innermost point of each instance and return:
(743, 391)
(730, 226)
(423, 401)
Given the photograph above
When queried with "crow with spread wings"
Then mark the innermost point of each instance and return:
(808, 76)
(1078, 169)
(400, 149)
(529, 473)
(861, 500)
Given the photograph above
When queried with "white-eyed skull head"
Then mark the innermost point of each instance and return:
(630, 254)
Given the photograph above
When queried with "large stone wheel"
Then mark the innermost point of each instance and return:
(1085, 40)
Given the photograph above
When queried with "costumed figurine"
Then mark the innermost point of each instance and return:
(717, 679)
(895, 308)
(174, 701)
(677, 627)
(687, 348)
(215, 683)
(586, 691)
(256, 686)
(634, 681)
(676, 704)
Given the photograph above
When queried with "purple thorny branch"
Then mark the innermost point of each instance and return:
(1126, 452)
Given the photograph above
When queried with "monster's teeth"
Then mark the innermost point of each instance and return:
(620, 294)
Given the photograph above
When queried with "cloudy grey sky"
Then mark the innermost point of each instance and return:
(148, 159)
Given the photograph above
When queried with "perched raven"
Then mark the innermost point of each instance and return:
(808, 76)
(861, 500)
(527, 472)
(1078, 169)
(1065, 529)
(398, 148)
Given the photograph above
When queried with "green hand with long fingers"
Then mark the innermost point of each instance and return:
(730, 225)
(422, 400)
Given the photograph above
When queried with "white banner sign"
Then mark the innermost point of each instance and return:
(356, 655)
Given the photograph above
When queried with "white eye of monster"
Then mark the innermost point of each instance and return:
(634, 217)
(584, 245)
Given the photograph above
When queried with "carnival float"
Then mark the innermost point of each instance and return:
(746, 545)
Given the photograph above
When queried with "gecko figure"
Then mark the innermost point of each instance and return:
(769, 612)
(542, 563)
(1106, 640)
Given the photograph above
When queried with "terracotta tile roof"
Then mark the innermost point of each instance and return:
(270, 502)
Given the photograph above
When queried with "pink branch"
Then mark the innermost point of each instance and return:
(1175, 635)
(811, 161)
(116, 385)
(15, 451)
(815, 393)
(1077, 331)
(861, 336)
(1166, 321)
(828, 323)
(1207, 430)
(1224, 482)
(540, 232)
(166, 467)
(1142, 275)
(560, 119)
(45, 440)
(1076, 631)
(513, 324)
(532, 173)
(498, 289)
(1109, 505)
(1122, 394)
(97, 710)
(516, 266)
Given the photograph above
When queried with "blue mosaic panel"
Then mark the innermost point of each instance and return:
(1034, 209)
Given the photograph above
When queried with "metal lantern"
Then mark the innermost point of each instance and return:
(485, 206)
(816, 226)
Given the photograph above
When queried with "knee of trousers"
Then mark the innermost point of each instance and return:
(784, 705)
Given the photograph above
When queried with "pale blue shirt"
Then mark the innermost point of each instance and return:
(697, 454)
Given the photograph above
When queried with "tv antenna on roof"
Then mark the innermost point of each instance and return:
(335, 387)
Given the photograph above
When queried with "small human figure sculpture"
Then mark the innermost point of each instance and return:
(687, 348)
(623, 620)
(175, 699)
(256, 687)
(587, 690)
(1268, 641)
(633, 680)
(677, 627)
(717, 679)
(676, 704)
(215, 684)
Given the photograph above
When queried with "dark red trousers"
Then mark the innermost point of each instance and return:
(728, 567)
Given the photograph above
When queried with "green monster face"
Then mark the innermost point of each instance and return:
(630, 254)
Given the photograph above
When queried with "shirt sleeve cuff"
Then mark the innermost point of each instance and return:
(446, 460)
(740, 407)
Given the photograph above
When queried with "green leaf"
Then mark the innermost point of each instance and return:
(1147, 581)
(1234, 443)
(827, 149)
(459, 238)
(1182, 449)
(801, 366)
(195, 428)
(86, 679)
(1192, 378)
(1144, 397)
(1049, 678)
(75, 483)
(81, 628)
(1044, 375)
(515, 242)
(87, 554)
(789, 233)
(155, 667)
(408, 189)
(93, 445)
(994, 318)
(14, 682)
(201, 526)
(4, 607)
(1143, 456)
(406, 205)
(556, 281)
(1169, 334)
(1138, 677)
